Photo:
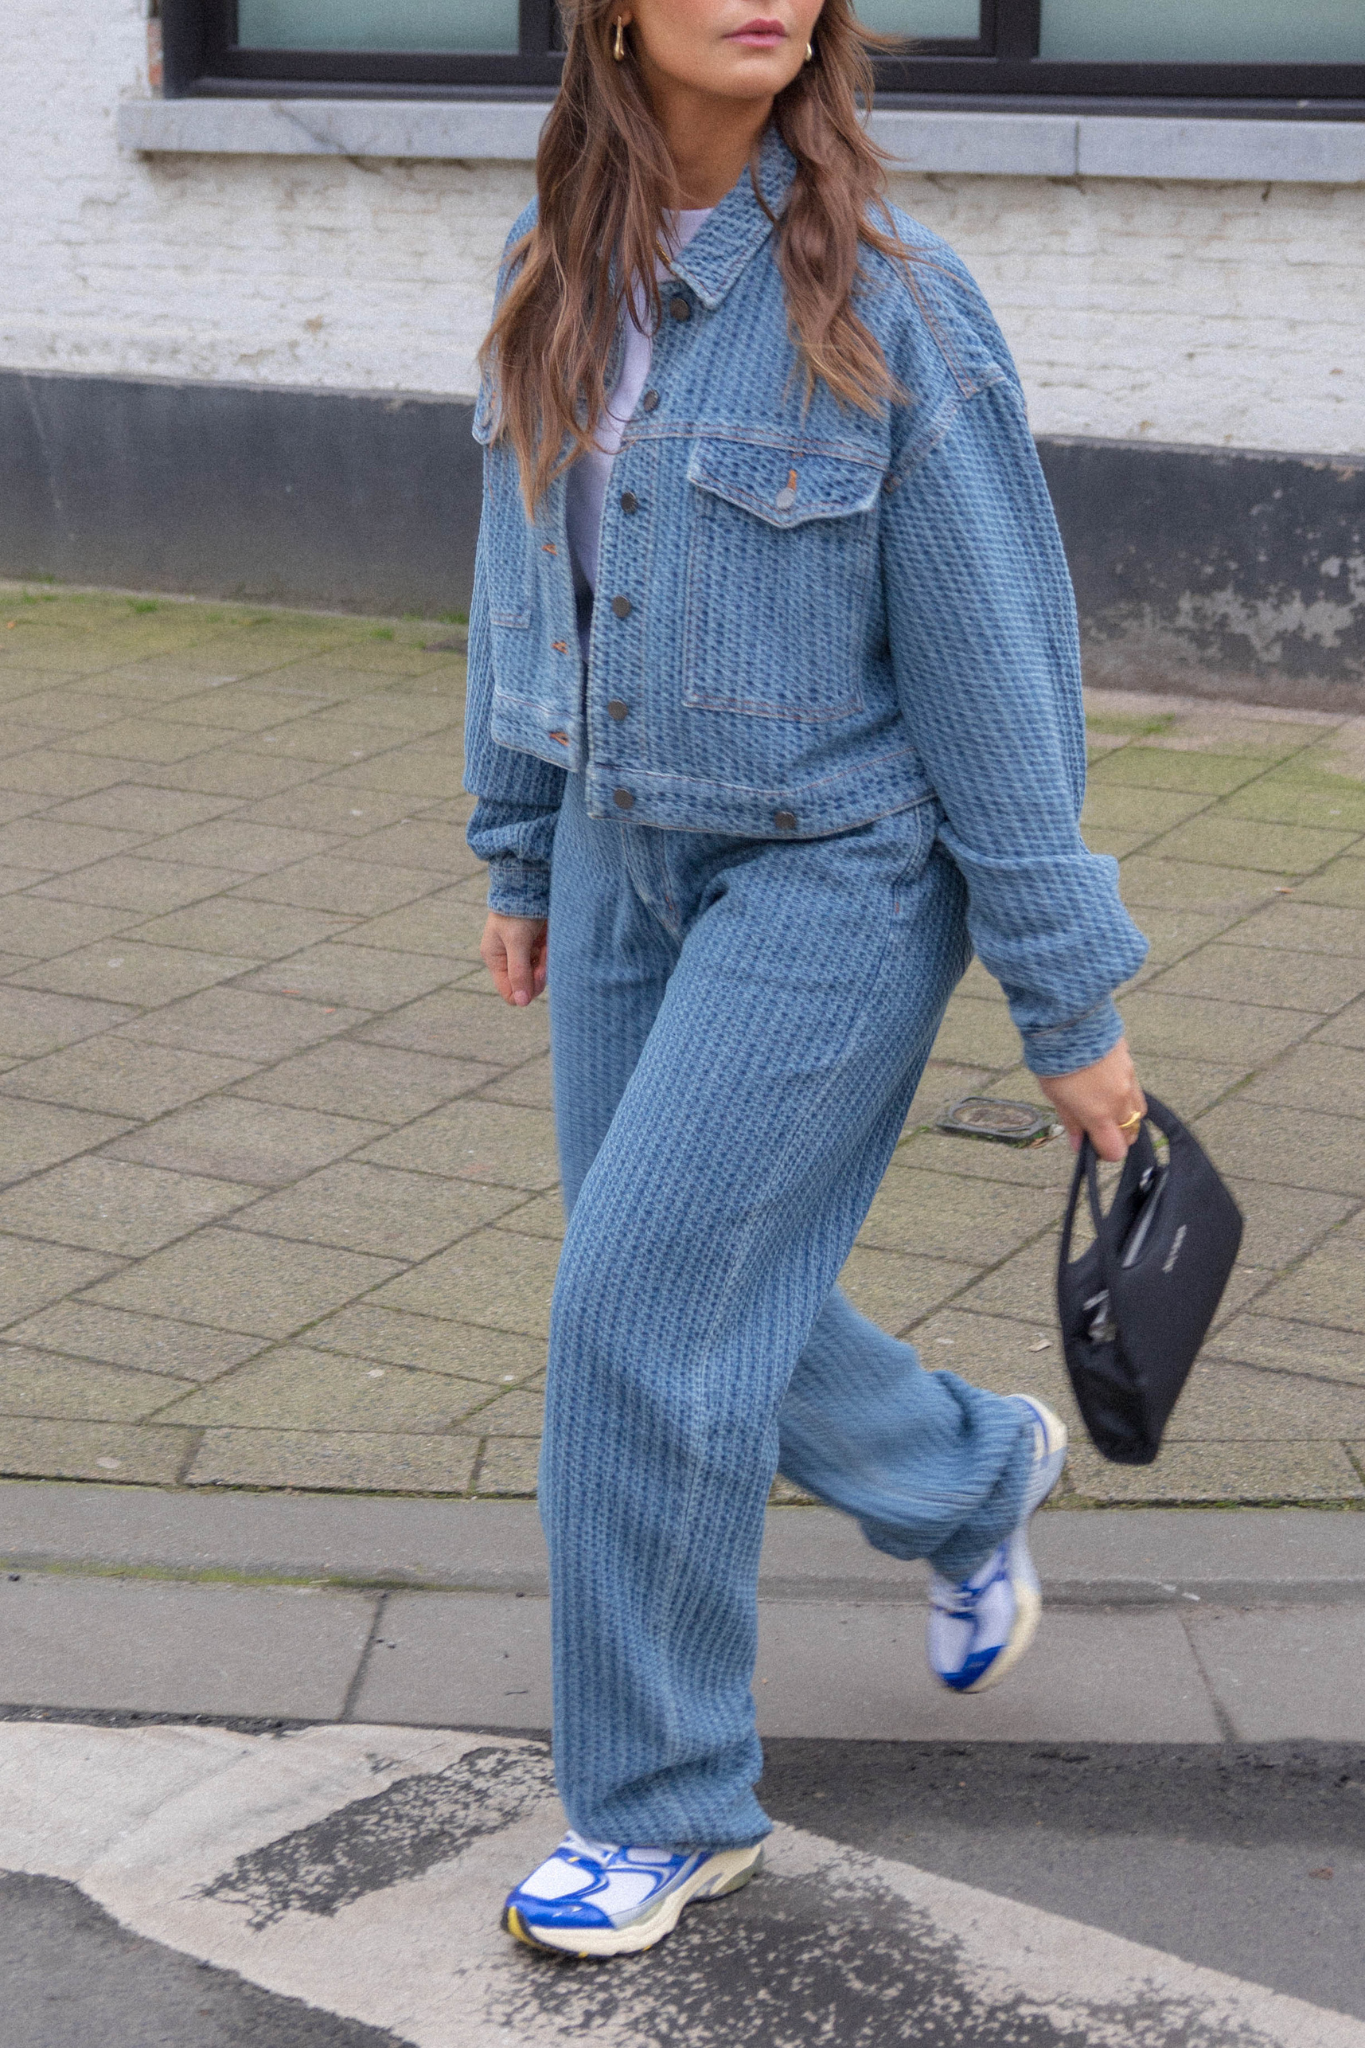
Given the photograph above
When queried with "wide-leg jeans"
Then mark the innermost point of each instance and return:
(738, 1027)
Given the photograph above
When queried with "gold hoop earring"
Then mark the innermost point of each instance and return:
(618, 48)
(810, 52)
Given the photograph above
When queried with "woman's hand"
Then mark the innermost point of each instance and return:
(515, 950)
(1099, 1100)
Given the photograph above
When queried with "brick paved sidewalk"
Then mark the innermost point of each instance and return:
(277, 1172)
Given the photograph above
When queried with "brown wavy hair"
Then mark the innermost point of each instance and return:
(604, 176)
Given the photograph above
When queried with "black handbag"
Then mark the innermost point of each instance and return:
(1136, 1305)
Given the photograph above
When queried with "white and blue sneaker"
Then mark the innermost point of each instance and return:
(599, 1899)
(980, 1627)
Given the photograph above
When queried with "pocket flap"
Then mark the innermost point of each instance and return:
(785, 486)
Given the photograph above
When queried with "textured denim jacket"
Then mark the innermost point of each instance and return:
(809, 616)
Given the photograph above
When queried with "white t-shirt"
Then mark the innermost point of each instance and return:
(587, 481)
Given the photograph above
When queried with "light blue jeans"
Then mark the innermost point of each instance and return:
(738, 1027)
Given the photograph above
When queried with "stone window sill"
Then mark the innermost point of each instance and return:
(1000, 145)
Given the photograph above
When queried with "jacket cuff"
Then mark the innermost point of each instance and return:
(1063, 1048)
(519, 888)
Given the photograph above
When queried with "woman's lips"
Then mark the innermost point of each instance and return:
(759, 34)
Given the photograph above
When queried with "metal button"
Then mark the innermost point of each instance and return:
(785, 499)
(650, 400)
(623, 800)
(629, 502)
(679, 307)
(785, 821)
(616, 709)
(622, 607)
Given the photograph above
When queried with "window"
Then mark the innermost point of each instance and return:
(1216, 55)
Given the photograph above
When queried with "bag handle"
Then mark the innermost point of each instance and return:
(1087, 1170)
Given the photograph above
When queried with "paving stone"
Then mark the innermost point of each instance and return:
(231, 1280)
(244, 710)
(466, 1026)
(1173, 932)
(142, 739)
(1115, 806)
(1262, 974)
(477, 1140)
(495, 1279)
(320, 742)
(508, 1468)
(1281, 1223)
(976, 1033)
(1158, 769)
(374, 1209)
(445, 924)
(1046, 1166)
(1245, 843)
(406, 771)
(136, 1453)
(1296, 1147)
(1194, 1027)
(228, 771)
(340, 1461)
(40, 929)
(1008, 1356)
(1223, 1401)
(1306, 1348)
(244, 1024)
(229, 924)
(130, 883)
(528, 1087)
(496, 1358)
(362, 976)
(1342, 885)
(1204, 1473)
(133, 807)
(38, 1383)
(31, 1275)
(318, 809)
(518, 1414)
(1187, 1086)
(1168, 884)
(1346, 1029)
(541, 1217)
(33, 1021)
(254, 849)
(418, 843)
(942, 1214)
(1318, 1076)
(124, 969)
(1292, 798)
(33, 1135)
(897, 1291)
(42, 843)
(298, 1388)
(152, 1344)
(1023, 1286)
(1248, 1657)
(359, 888)
(108, 1205)
(366, 1080)
(1295, 926)
(264, 1143)
(122, 1077)
(1329, 1287)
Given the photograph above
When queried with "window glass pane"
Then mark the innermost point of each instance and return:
(482, 25)
(1205, 31)
(933, 20)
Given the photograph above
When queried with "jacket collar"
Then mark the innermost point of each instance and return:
(737, 230)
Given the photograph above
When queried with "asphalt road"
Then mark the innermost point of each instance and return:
(1211, 1856)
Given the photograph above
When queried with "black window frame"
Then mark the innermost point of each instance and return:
(998, 71)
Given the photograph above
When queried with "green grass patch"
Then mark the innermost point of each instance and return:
(143, 604)
(1130, 728)
(381, 633)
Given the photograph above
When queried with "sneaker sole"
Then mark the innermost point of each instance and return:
(737, 1866)
(1028, 1595)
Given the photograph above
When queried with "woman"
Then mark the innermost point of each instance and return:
(774, 714)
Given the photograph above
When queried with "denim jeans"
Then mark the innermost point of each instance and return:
(738, 1027)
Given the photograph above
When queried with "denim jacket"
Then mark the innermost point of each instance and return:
(809, 616)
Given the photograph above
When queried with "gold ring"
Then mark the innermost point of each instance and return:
(1130, 1121)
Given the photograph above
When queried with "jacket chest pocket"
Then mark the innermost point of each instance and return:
(782, 550)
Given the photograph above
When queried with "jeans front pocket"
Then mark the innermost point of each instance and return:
(781, 555)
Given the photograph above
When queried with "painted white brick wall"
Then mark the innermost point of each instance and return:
(1171, 312)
